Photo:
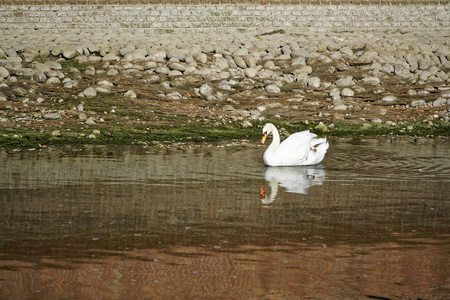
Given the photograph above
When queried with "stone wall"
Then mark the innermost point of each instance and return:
(163, 18)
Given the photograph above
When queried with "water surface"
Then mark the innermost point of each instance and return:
(371, 221)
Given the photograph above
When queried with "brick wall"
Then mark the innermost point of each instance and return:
(51, 16)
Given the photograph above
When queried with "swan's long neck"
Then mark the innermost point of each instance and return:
(276, 138)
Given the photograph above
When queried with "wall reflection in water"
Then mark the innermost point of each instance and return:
(129, 222)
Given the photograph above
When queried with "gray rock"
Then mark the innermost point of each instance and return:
(28, 57)
(339, 105)
(314, 82)
(131, 94)
(250, 72)
(250, 61)
(220, 62)
(122, 51)
(345, 81)
(3, 97)
(376, 121)
(52, 116)
(175, 73)
(240, 52)
(174, 96)
(321, 127)
(80, 107)
(302, 79)
(439, 102)
(400, 70)
(347, 51)
(82, 116)
(53, 65)
(299, 61)
(424, 75)
(240, 62)
(346, 92)
(208, 48)
(304, 69)
(273, 88)
(387, 68)
(411, 59)
(4, 73)
(149, 65)
(53, 80)
(368, 57)
(111, 57)
(246, 124)
(416, 103)
(69, 53)
(158, 56)
(162, 70)
(371, 80)
(201, 57)
(206, 89)
(177, 66)
(424, 64)
(90, 92)
(112, 72)
(55, 73)
(105, 83)
(90, 121)
(177, 54)
(389, 98)
(94, 59)
(103, 89)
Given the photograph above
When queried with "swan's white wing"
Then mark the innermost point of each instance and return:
(294, 150)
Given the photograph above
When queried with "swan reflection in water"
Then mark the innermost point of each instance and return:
(294, 179)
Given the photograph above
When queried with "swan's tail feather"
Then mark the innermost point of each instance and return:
(318, 142)
(323, 147)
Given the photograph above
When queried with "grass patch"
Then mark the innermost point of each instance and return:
(199, 132)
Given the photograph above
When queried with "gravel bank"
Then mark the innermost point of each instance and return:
(241, 78)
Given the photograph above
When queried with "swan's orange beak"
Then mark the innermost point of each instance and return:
(263, 140)
(261, 193)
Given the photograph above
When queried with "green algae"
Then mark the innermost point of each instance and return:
(197, 132)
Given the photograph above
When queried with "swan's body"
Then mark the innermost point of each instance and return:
(299, 149)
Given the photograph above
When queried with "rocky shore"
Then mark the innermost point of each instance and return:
(87, 84)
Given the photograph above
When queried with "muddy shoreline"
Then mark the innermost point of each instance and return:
(181, 89)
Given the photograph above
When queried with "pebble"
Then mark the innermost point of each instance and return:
(233, 67)
(314, 82)
(4, 73)
(273, 88)
(416, 103)
(52, 116)
(389, 98)
(90, 121)
(206, 89)
(90, 92)
(345, 81)
(131, 94)
(346, 92)
(321, 127)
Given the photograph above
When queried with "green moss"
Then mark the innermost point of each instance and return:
(199, 132)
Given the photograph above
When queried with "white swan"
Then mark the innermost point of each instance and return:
(299, 149)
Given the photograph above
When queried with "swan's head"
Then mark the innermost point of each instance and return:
(266, 130)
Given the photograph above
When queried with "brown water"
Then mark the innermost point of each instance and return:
(371, 222)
